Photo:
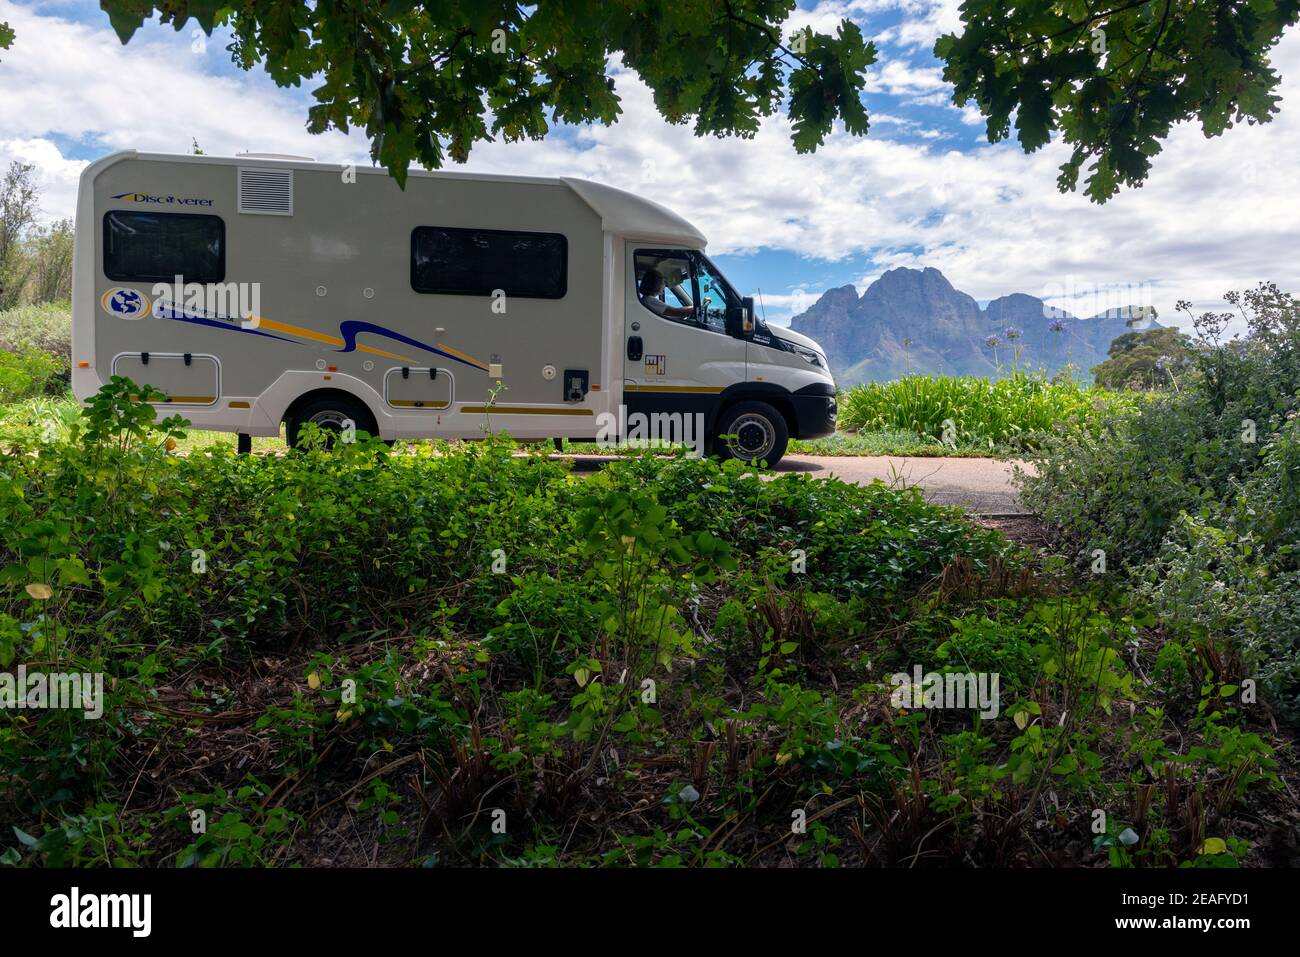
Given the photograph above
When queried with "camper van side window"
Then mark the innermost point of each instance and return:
(158, 247)
(478, 262)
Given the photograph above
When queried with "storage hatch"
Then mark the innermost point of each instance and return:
(411, 387)
(185, 378)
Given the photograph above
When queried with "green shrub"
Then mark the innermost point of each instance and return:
(1197, 497)
(39, 421)
(1123, 488)
(35, 347)
(1002, 646)
(27, 373)
(1215, 585)
(544, 623)
(1151, 359)
(45, 326)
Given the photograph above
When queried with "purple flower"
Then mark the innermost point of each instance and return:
(991, 342)
(1056, 325)
(1012, 333)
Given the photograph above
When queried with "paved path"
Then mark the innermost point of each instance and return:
(980, 485)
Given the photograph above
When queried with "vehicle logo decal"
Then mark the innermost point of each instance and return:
(125, 303)
(156, 200)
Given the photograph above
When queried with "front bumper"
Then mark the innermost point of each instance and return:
(814, 411)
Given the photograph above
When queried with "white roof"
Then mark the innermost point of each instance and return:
(622, 212)
(619, 211)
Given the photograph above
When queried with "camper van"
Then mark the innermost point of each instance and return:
(259, 291)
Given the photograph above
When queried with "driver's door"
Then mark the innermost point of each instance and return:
(680, 363)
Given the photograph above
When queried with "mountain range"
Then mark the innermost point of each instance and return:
(913, 320)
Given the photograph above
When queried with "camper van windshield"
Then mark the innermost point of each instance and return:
(716, 297)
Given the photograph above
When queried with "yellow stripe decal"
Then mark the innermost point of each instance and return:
(380, 352)
(298, 331)
(709, 389)
(522, 410)
(461, 355)
(239, 405)
(275, 325)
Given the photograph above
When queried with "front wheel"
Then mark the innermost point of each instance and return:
(755, 432)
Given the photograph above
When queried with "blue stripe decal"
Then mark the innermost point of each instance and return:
(352, 327)
(349, 330)
(200, 321)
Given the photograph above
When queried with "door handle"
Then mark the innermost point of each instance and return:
(634, 348)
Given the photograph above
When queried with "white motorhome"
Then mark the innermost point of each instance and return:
(258, 291)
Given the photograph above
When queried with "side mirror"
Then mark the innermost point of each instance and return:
(747, 314)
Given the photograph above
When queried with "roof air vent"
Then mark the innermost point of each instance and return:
(266, 191)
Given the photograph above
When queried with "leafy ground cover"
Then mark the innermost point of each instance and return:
(469, 656)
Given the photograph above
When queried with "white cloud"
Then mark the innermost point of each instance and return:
(67, 81)
(56, 176)
(903, 78)
(924, 22)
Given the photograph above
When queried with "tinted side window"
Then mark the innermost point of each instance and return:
(477, 262)
(158, 247)
(663, 278)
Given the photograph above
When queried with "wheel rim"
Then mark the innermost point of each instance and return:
(755, 436)
(330, 419)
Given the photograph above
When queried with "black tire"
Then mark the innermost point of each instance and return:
(760, 433)
(328, 412)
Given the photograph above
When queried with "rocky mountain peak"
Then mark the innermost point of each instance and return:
(914, 320)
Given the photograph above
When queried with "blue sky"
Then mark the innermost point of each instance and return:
(924, 188)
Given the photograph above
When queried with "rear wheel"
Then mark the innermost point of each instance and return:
(331, 414)
(757, 433)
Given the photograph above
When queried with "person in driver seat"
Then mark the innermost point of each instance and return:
(652, 288)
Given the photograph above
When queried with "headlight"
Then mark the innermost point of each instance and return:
(811, 356)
